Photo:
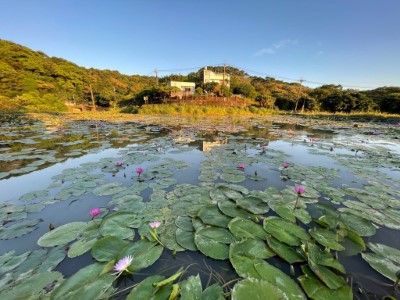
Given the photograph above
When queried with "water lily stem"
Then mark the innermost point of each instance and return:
(297, 200)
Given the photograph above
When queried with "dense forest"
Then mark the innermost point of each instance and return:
(32, 81)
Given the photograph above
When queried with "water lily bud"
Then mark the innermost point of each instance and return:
(292, 272)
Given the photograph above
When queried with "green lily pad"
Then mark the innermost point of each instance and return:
(144, 254)
(61, 235)
(185, 239)
(251, 288)
(211, 215)
(146, 289)
(32, 287)
(109, 189)
(326, 275)
(385, 260)
(253, 204)
(120, 225)
(191, 289)
(327, 238)
(213, 241)
(108, 248)
(18, 229)
(233, 178)
(87, 283)
(290, 254)
(316, 289)
(80, 247)
(279, 279)
(243, 228)
(9, 261)
(284, 231)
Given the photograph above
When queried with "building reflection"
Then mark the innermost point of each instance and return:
(207, 146)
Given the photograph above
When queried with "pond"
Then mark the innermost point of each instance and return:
(159, 208)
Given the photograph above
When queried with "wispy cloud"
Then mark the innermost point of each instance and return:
(275, 47)
(320, 52)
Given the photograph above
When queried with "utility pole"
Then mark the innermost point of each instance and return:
(298, 94)
(91, 94)
(155, 71)
(223, 78)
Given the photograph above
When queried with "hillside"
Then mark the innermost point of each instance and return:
(31, 80)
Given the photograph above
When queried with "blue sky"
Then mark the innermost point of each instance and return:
(355, 43)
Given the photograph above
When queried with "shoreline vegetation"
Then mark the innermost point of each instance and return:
(161, 115)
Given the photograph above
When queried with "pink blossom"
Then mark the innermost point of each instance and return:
(123, 264)
(300, 190)
(95, 211)
(154, 224)
(241, 166)
(119, 163)
(285, 165)
(139, 170)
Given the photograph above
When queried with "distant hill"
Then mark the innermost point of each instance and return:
(31, 80)
(26, 75)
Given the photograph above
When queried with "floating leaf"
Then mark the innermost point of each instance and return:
(146, 289)
(284, 231)
(290, 254)
(86, 284)
(327, 238)
(280, 280)
(109, 189)
(108, 248)
(120, 225)
(213, 241)
(32, 287)
(211, 215)
(247, 252)
(185, 239)
(316, 289)
(251, 288)
(253, 204)
(144, 254)
(385, 260)
(61, 235)
(191, 288)
(18, 229)
(243, 228)
(80, 246)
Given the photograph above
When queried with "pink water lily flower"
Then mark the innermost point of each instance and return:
(154, 224)
(285, 165)
(139, 170)
(95, 211)
(300, 190)
(123, 264)
(241, 166)
(119, 163)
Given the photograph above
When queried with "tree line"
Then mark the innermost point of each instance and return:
(31, 80)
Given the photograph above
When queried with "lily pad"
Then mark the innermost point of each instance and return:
(213, 241)
(284, 231)
(243, 228)
(61, 235)
(251, 288)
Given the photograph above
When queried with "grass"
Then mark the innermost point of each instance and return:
(192, 110)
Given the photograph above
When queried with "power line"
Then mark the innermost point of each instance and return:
(249, 71)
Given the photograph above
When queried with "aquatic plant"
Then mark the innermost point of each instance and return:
(119, 163)
(300, 191)
(94, 212)
(241, 166)
(122, 265)
(139, 170)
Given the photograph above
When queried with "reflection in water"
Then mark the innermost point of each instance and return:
(207, 146)
(264, 148)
